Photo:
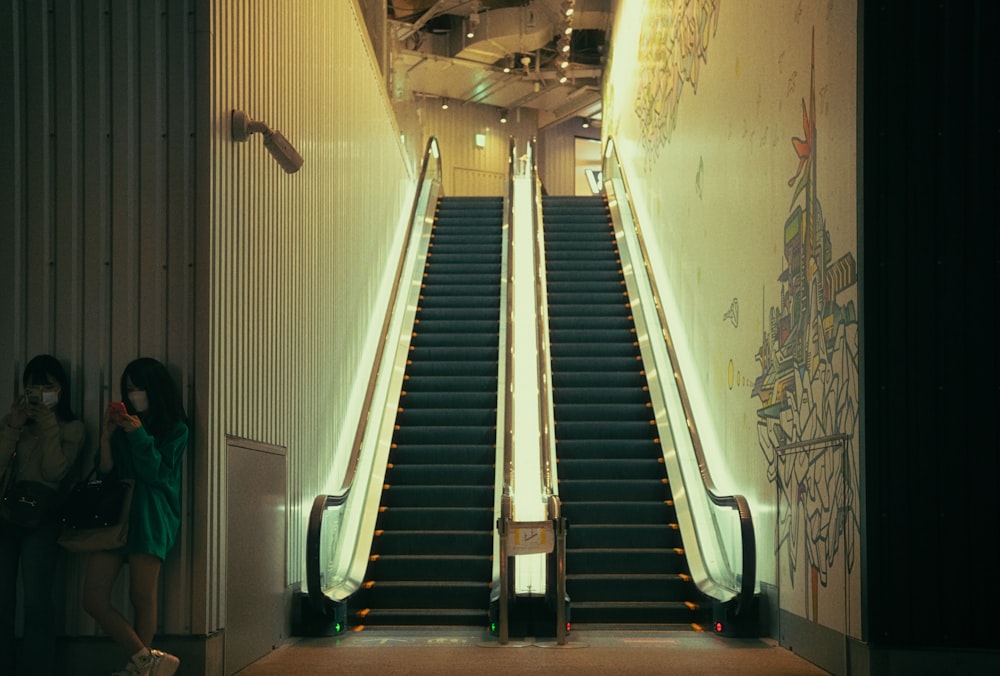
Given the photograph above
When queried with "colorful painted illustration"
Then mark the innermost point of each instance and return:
(808, 421)
(672, 46)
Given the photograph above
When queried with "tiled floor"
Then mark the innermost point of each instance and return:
(451, 650)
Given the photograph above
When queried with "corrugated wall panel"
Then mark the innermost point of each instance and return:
(136, 226)
(100, 213)
(557, 155)
(297, 262)
(461, 160)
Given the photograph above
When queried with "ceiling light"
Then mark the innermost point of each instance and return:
(563, 78)
(444, 104)
(569, 30)
(564, 63)
(586, 123)
(503, 117)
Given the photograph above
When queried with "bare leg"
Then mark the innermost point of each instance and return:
(102, 571)
(143, 592)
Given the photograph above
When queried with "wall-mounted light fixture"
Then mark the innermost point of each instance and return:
(274, 141)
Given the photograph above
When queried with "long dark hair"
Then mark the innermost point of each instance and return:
(43, 368)
(165, 406)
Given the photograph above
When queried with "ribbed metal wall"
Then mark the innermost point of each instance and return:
(97, 217)
(133, 225)
(295, 262)
(468, 170)
(557, 154)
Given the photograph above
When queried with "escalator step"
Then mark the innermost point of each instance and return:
(601, 469)
(410, 474)
(436, 518)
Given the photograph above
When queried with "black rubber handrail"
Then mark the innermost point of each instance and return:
(748, 582)
(319, 601)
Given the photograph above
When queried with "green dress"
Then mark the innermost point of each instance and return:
(155, 464)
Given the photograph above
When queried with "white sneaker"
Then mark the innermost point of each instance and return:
(154, 663)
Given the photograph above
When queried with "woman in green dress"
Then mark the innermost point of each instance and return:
(143, 440)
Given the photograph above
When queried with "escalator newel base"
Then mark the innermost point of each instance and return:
(307, 620)
(727, 622)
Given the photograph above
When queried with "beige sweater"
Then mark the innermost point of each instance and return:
(47, 450)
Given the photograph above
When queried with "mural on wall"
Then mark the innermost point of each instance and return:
(808, 385)
(672, 46)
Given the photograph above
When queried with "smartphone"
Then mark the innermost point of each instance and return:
(117, 407)
(33, 395)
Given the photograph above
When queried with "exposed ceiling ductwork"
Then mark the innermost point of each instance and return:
(503, 53)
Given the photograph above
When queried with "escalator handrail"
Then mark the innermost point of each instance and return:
(359, 435)
(739, 503)
(542, 345)
(506, 507)
(323, 502)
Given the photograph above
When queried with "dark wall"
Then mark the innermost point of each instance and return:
(929, 236)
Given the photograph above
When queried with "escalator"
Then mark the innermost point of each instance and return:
(430, 560)
(625, 560)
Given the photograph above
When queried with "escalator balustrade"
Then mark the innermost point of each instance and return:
(625, 561)
(431, 556)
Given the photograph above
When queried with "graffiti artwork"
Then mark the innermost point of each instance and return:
(672, 47)
(808, 385)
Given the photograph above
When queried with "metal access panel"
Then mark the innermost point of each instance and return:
(256, 541)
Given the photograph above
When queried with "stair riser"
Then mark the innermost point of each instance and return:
(615, 562)
(582, 513)
(638, 615)
(602, 469)
(408, 474)
(622, 537)
(625, 590)
(454, 595)
(613, 491)
(438, 496)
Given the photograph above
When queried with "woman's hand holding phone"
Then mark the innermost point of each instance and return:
(19, 413)
(118, 416)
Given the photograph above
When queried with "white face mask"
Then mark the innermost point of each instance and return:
(50, 399)
(139, 400)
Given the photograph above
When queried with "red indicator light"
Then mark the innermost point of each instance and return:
(718, 627)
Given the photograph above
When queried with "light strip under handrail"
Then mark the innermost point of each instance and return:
(543, 348)
(324, 502)
(748, 580)
(501, 564)
(506, 508)
(359, 435)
